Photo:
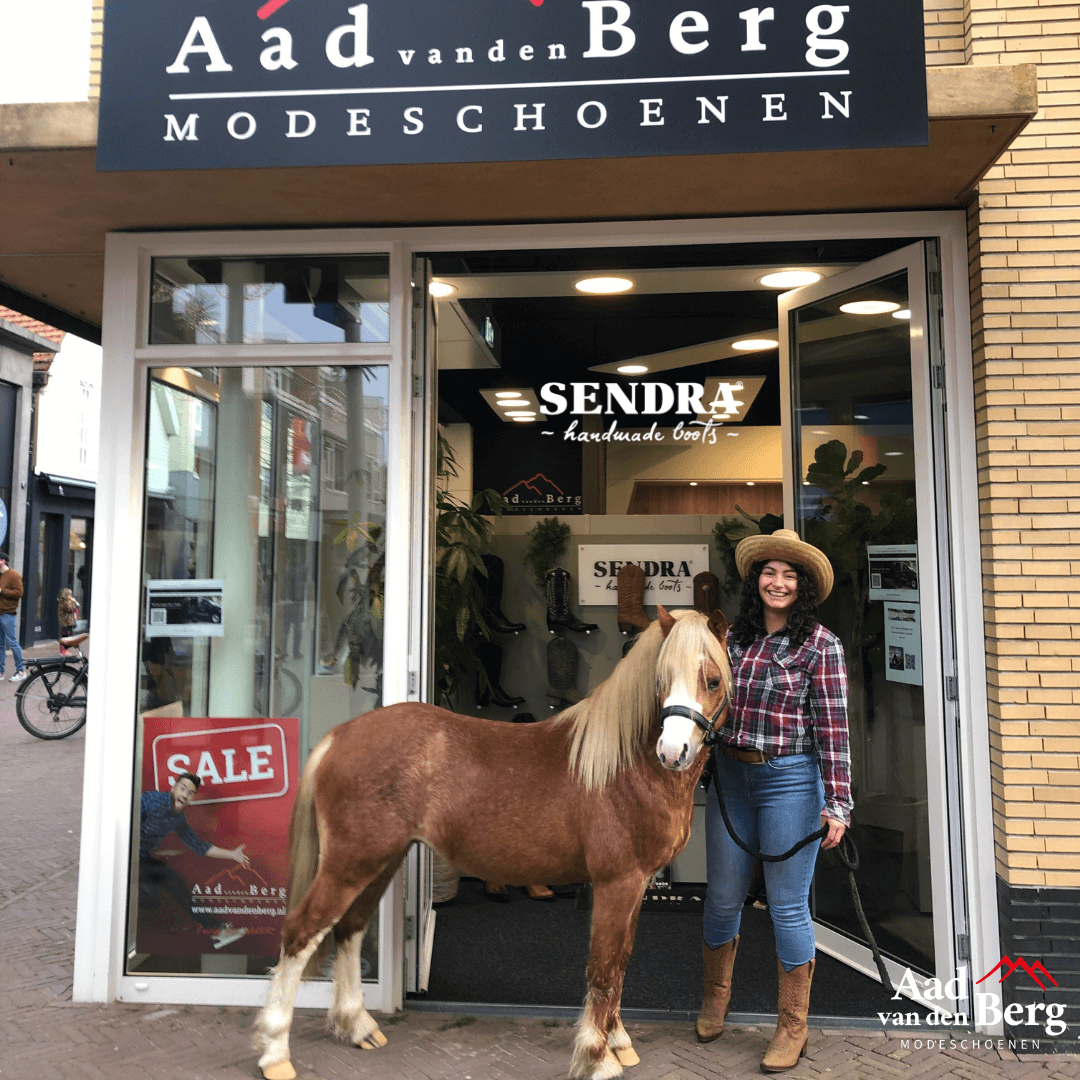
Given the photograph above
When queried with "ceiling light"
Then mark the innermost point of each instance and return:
(790, 279)
(806, 483)
(440, 289)
(524, 419)
(819, 432)
(905, 314)
(604, 286)
(755, 344)
(509, 394)
(869, 307)
(749, 483)
(693, 483)
(632, 369)
(511, 403)
(521, 413)
(861, 416)
(894, 453)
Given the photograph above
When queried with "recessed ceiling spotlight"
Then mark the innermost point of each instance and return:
(869, 307)
(749, 483)
(632, 369)
(790, 279)
(693, 483)
(441, 289)
(604, 286)
(905, 314)
(508, 394)
(755, 344)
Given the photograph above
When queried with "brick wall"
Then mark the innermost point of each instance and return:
(1025, 258)
(97, 17)
(945, 22)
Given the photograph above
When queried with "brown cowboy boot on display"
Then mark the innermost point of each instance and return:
(706, 592)
(789, 1043)
(716, 1000)
(631, 585)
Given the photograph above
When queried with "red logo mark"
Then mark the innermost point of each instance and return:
(1007, 967)
(271, 6)
(536, 3)
(534, 484)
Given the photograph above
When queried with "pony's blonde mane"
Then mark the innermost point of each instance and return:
(607, 728)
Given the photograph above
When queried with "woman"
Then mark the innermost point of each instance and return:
(783, 767)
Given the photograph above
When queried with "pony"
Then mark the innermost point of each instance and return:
(602, 792)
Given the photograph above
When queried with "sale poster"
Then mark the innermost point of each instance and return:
(249, 771)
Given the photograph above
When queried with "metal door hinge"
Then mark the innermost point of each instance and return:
(934, 282)
(417, 386)
(414, 681)
(410, 927)
(952, 690)
(938, 374)
(963, 947)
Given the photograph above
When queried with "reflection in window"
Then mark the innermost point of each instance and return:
(263, 301)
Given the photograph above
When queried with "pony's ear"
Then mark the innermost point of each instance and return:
(718, 624)
(665, 619)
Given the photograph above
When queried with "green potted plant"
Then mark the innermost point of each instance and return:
(547, 546)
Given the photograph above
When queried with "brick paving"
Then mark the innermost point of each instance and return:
(44, 1034)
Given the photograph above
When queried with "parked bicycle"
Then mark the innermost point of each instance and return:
(51, 702)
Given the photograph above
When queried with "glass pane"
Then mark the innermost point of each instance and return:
(78, 568)
(854, 441)
(273, 579)
(279, 301)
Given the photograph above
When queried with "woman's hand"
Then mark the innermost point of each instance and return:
(836, 832)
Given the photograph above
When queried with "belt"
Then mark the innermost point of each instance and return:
(749, 757)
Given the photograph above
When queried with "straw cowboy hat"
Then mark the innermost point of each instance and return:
(786, 546)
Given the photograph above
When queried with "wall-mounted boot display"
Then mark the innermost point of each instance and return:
(631, 586)
(562, 663)
(558, 604)
(490, 656)
(706, 592)
(493, 587)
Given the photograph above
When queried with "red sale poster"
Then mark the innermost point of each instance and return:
(248, 770)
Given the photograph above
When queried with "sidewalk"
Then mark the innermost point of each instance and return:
(43, 1034)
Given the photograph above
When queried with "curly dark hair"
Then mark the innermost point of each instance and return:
(750, 622)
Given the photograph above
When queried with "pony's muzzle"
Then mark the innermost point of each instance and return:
(679, 740)
(675, 758)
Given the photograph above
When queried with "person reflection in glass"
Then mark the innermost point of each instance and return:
(162, 812)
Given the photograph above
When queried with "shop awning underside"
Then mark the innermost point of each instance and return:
(55, 209)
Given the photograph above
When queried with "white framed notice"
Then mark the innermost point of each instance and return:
(183, 607)
(894, 572)
(669, 572)
(903, 643)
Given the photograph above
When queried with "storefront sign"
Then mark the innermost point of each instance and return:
(232, 83)
(249, 771)
(184, 607)
(669, 572)
(534, 475)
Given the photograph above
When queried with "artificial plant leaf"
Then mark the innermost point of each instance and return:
(854, 462)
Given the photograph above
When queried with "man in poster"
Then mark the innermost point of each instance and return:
(162, 812)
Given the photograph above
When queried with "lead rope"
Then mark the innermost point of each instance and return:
(846, 851)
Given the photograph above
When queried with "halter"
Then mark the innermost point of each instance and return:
(708, 726)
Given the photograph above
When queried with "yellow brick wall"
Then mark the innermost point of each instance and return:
(1025, 260)
(945, 22)
(95, 48)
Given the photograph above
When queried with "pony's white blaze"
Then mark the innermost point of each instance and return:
(680, 738)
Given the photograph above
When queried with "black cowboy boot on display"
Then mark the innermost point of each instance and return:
(490, 656)
(558, 604)
(493, 587)
(562, 664)
(631, 586)
(706, 592)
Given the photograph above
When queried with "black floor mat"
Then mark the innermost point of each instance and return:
(532, 953)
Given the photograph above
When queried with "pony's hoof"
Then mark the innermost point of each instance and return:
(283, 1070)
(374, 1041)
(627, 1056)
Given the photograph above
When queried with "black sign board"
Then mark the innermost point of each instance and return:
(537, 475)
(230, 83)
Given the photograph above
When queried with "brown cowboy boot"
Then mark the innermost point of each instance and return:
(789, 1043)
(631, 585)
(717, 997)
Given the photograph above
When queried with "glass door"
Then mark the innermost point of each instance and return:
(859, 440)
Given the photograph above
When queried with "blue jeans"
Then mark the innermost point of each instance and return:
(9, 628)
(771, 806)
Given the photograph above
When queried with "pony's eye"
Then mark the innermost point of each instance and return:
(713, 684)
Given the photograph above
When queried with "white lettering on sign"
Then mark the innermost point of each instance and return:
(414, 123)
(669, 571)
(200, 39)
(358, 32)
(173, 130)
(650, 109)
(708, 107)
(599, 29)
(831, 103)
(689, 22)
(279, 55)
(601, 114)
(259, 757)
(633, 398)
(536, 116)
(295, 116)
(358, 121)
(754, 17)
(774, 106)
(234, 122)
(822, 51)
(473, 129)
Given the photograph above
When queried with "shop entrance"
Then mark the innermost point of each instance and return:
(818, 411)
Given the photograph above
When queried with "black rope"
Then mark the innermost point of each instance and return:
(848, 855)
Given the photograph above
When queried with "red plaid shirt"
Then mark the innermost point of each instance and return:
(795, 702)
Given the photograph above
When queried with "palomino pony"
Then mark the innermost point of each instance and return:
(603, 792)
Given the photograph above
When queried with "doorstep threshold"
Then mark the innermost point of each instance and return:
(570, 1012)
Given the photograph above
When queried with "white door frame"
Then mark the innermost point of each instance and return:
(108, 791)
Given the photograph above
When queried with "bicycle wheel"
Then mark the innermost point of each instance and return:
(51, 703)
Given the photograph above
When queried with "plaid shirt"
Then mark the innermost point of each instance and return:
(795, 702)
(158, 820)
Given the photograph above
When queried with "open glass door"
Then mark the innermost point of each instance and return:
(419, 913)
(859, 442)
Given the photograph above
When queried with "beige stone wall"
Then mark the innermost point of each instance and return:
(95, 48)
(1025, 255)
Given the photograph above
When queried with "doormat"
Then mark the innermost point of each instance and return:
(680, 896)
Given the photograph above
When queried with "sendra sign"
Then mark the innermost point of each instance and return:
(230, 83)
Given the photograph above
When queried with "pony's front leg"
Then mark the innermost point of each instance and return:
(600, 1031)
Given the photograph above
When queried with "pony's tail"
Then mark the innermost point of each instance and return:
(304, 843)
